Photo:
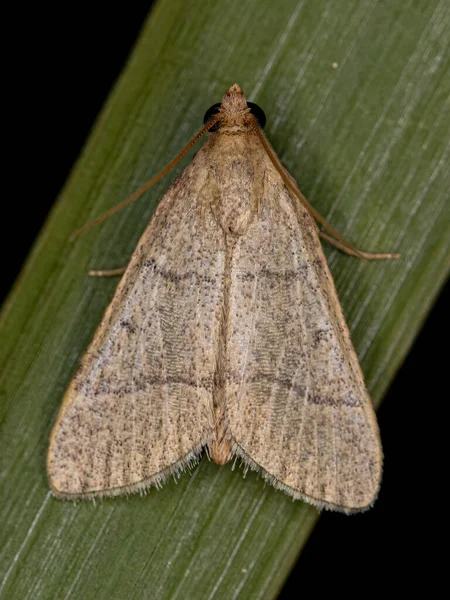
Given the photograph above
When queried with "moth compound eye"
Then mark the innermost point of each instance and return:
(209, 114)
(255, 110)
(258, 113)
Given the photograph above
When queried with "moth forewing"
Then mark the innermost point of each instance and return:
(297, 405)
(138, 408)
(226, 332)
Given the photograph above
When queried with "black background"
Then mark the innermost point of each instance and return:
(54, 93)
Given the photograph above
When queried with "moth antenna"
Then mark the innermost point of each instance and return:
(337, 240)
(147, 185)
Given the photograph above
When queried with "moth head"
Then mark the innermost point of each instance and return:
(235, 112)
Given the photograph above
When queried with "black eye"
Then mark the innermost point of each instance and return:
(256, 111)
(209, 114)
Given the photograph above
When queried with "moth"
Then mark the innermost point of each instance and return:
(225, 333)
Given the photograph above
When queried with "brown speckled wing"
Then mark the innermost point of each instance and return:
(139, 408)
(297, 407)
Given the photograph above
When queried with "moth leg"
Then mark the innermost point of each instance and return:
(341, 245)
(108, 273)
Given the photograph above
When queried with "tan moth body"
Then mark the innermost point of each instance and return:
(225, 331)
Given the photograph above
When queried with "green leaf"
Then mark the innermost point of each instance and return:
(356, 95)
